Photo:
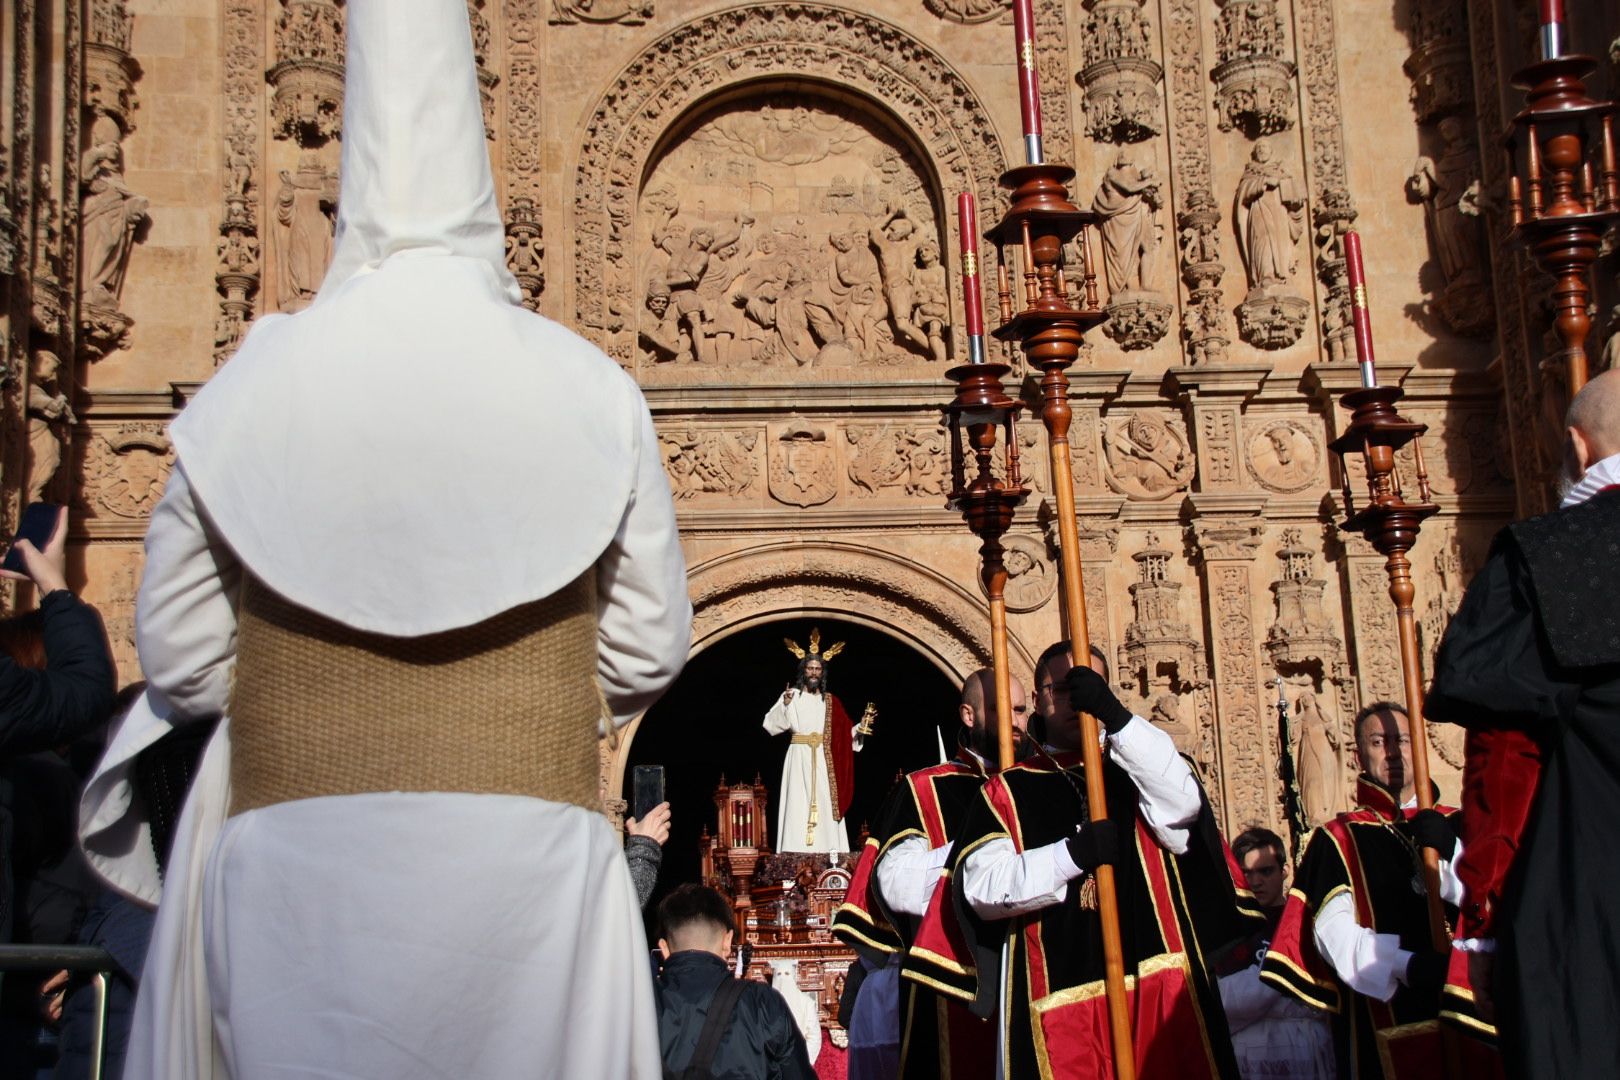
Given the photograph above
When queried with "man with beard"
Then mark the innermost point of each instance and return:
(1015, 931)
(818, 774)
(1530, 665)
(1354, 936)
(893, 883)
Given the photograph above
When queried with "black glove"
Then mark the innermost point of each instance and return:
(1095, 843)
(1088, 692)
(1426, 974)
(1432, 829)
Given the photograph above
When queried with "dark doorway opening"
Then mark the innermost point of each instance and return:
(708, 725)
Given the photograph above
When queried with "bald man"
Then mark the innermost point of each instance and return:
(891, 889)
(1530, 665)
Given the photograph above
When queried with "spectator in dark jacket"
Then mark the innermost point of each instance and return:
(761, 1041)
(56, 685)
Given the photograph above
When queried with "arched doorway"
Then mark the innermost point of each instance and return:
(708, 724)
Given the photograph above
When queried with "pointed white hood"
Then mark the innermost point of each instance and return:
(415, 171)
(414, 451)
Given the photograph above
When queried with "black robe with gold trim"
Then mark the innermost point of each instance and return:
(1370, 854)
(939, 1037)
(1173, 910)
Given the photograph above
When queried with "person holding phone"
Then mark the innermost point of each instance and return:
(50, 707)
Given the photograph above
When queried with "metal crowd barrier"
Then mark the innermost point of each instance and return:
(78, 959)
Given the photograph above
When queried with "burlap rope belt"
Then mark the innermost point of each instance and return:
(507, 706)
(808, 740)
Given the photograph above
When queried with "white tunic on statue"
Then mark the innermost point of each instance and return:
(414, 453)
(805, 778)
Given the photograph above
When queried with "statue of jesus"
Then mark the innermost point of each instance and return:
(818, 775)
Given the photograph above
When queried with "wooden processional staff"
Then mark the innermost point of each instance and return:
(1391, 523)
(1049, 325)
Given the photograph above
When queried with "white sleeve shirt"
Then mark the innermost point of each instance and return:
(908, 872)
(1368, 962)
(1000, 882)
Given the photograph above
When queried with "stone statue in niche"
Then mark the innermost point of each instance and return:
(301, 234)
(840, 267)
(1449, 190)
(49, 418)
(1269, 212)
(1128, 201)
(1147, 458)
(110, 216)
(1316, 760)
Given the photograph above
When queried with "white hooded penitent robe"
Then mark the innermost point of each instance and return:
(414, 453)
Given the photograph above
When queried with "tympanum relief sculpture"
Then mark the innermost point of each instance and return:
(790, 234)
(1128, 202)
(1449, 189)
(900, 459)
(1146, 457)
(1269, 213)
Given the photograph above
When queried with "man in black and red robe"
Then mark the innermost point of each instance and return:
(1530, 665)
(1354, 938)
(1021, 900)
(896, 877)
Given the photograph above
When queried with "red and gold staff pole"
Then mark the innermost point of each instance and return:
(1029, 89)
(987, 501)
(1042, 313)
(1391, 523)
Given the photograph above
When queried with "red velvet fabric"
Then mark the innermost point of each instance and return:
(1500, 777)
(842, 756)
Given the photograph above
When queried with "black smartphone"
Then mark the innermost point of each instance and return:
(647, 789)
(38, 523)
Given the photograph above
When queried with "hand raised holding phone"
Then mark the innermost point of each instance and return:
(38, 552)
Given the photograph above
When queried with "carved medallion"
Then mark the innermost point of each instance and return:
(803, 470)
(708, 461)
(884, 459)
(1146, 457)
(1031, 577)
(968, 11)
(1283, 456)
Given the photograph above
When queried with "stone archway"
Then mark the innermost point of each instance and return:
(910, 602)
(702, 58)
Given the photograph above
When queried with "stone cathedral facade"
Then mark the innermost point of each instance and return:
(746, 205)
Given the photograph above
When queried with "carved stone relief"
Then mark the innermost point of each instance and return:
(308, 76)
(1120, 77)
(1128, 201)
(521, 142)
(1460, 452)
(126, 469)
(1146, 456)
(1228, 548)
(1269, 214)
(1284, 455)
(833, 261)
(772, 40)
(896, 459)
(1159, 654)
(624, 12)
(238, 277)
(109, 68)
(1032, 576)
(1334, 211)
(1445, 588)
(1253, 83)
(803, 464)
(1377, 647)
(968, 11)
(1442, 81)
(711, 461)
(487, 79)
